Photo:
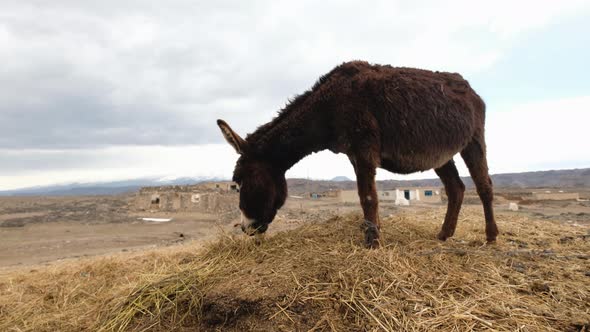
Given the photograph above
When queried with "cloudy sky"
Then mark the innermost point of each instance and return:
(107, 90)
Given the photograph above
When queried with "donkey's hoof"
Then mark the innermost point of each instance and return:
(443, 236)
(491, 236)
(372, 244)
(372, 239)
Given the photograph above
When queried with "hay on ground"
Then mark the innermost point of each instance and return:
(319, 278)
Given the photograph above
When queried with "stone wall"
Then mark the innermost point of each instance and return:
(187, 198)
(556, 196)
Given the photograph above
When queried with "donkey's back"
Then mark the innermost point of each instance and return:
(422, 118)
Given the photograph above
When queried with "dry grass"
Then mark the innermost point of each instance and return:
(319, 278)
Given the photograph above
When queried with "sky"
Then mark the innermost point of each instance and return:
(107, 90)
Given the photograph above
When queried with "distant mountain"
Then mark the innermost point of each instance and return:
(340, 179)
(103, 188)
(571, 178)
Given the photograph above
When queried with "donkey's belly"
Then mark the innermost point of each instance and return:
(415, 162)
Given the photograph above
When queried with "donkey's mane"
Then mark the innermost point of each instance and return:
(293, 110)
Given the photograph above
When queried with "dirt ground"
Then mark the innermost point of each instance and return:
(39, 230)
(42, 230)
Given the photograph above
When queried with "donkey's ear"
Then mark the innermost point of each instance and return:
(231, 137)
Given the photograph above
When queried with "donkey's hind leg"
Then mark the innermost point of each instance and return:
(455, 189)
(475, 159)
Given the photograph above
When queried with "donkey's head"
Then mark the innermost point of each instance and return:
(263, 189)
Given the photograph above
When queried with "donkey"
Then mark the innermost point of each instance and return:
(403, 120)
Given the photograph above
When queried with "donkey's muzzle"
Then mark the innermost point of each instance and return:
(252, 227)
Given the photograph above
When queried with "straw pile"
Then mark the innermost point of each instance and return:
(319, 278)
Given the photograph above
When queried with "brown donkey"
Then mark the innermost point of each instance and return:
(401, 119)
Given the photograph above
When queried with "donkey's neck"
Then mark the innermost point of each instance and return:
(299, 130)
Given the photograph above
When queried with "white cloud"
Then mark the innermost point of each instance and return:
(537, 134)
(114, 163)
(86, 82)
(139, 64)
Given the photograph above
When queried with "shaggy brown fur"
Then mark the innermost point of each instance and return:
(404, 120)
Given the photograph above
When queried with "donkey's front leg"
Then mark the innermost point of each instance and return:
(365, 179)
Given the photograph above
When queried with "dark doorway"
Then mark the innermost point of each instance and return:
(407, 194)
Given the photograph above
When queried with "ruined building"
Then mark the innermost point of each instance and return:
(212, 197)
